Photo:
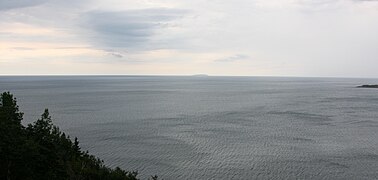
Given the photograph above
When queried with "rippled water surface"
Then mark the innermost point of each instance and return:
(214, 127)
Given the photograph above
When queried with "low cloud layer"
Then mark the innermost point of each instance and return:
(284, 37)
(14, 4)
(127, 29)
(233, 58)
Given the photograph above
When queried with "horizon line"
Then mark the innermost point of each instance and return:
(187, 75)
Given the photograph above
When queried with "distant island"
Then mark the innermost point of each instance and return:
(368, 86)
(200, 75)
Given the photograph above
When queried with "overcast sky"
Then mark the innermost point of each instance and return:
(322, 38)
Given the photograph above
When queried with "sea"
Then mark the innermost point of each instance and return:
(198, 127)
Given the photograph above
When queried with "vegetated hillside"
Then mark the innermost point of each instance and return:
(41, 151)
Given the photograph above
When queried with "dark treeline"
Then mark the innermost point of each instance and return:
(41, 151)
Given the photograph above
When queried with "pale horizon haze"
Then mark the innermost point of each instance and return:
(307, 38)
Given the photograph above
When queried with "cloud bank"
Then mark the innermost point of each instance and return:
(284, 37)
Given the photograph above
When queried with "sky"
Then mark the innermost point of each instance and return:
(307, 38)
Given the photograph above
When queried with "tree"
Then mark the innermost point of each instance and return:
(41, 151)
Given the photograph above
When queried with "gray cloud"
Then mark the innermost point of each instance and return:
(127, 29)
(23, 48)
(233, 58)
(14, 4)
(116, 54)
(313, 37)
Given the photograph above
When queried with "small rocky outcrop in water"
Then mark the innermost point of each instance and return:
(368, 86)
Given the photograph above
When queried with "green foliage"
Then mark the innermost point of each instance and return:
(41, 151)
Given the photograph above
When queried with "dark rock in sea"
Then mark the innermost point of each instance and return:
(368, 86)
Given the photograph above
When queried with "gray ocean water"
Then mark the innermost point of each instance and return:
(214, 127)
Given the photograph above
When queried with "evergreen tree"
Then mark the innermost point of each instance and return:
(42, 152)
(13, 143)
